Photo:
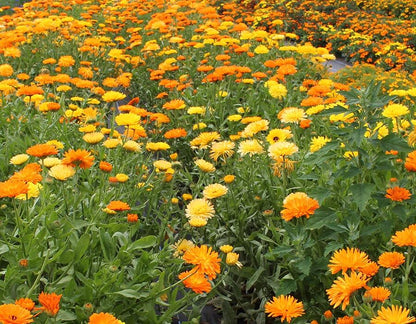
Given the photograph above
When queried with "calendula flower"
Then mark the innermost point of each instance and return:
(204, 139)
(174, 104)
(223, 149)
(232, 259)
(132, 218)
(226, 248)
(14, 314)
(392, 260)
(19, 159)
(127, 119)
(13, 188)
(181, 247)
(112, 143)
(285, 307)
(103, 318)
(204, 166)
(200, 209)
(79, 157)
(132, 146)
(105, 166)
(291, 115)
(162, 165)
(380, 294)
(250, 147)
(297, 205)
(117, 205)
(26, 303)
(282, 149)
(229, 178)
(195, 281)
(205, 260)
(49, 302)
(398, 194)
(393, 315)
(406, 237)
(42, 150)
(175, 133)
(318, 142)
(410, 163)
(93, 137)
(157, 146)
(111, 96)
(344, 287)
(214, 190)
(395, 110)
(278, 135)
(349, 258)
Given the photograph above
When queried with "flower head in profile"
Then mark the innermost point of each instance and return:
(49, 302)
(82, 158)
(410, 162)
(196, 281)
(61, 172)
(42, 150)
(14, 314)
(111, 96)
(205, 166)
(395, 110)
(214, 190)
(349, 258)
(393, 315)
(117, 205)
(298, 204)
(205, 260)
(103, 318)
(343, 287)
(398, 194)
(406, 237)
(13, 188)
(391, 260)
(282, 149)
(285, 307)
(26, 303)
(380, 294)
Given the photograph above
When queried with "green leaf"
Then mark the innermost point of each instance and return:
(361, 194)
(4, 248)
(287, 286)
(332, 246)
(107, 245)
(82, 246)
(320, 219)
(254, 278)
(393, 142)
(65, 316)
(129, 293)
(142, 243)
(304, 266)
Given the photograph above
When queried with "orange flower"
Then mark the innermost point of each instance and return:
(42, 150)
(26, 303)
(49, 302)
(175, 133)
(398, 194)
(105, 166)
(13, 188)
(132, 218)
(205, 260)
(14, 314)
(343, 287)
(410, 163)
(196, 281)
(103, 318)
(30, 173)
(406, 237)
(393, 314)
(391, 260)
(286, 307)
(370, 269)
(380, 294)
(83, 158)
(345, 259)
(345, 320)
(174, 104)
(29, 91)
(118, 205)
(297, 205)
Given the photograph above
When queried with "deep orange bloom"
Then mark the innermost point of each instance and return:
(26, 303)
(13, 188)
(349, 258)
(345, 320)
(174, 104)
(196, 281)
(297, 205)
(205, 260)
(391, 260)
(83, 158)
(42, 150)
(393, 314)
(118, 205)
(132, 218)
(14, 314)
(378, 293)
(49, 302)
(344, 287)
(175, 133)
(286, 307)
(30, 173)
(103, 318)
(370, 269)
(406, 237)
(410, 163)
(105, 166)
(398, 194)
(29, 91)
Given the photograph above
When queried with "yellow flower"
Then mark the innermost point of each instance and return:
(291, 115)
(162, 165)
(205, 165)
(222, 149)
(250, 147)
(261, 49)
(318, 142)
(278, 91)
(199, 126)
(350, 154)
(282, 149)
(235, 117)
(226, 248)
(132, 146)
(121, 177)
(33, 192)
(278, 135)
(111, 96)
(214, 190)
(127, 119)
(112, 143)
(49, 162)
(200, 208)
(253, 128)
(19, 159)
(395, 110)
(229, 178)
(62, 172)
(93, 138)
(196, 110)
(232, 259)
(157, 146)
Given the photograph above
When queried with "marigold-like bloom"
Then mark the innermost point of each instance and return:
(117, 205)
(42, 150)
(406, 237)
(318, 142)
(66, 61)
(286, 307)
(162, 165)
(175, 133)
(127, 119)
(195, 281)
(132, 218)
(232, 259)
(132, 146)
(82, 158)
(398, 194)
(253, 128)
(49, 302)
(380, 294)
(279, 135)
(111, 96)
(174, 104)
(282, 149)
(344, 287)
(93, 137)
(105, 166)
(291, 115)
(370, 269)
(19, 159)
(393, 315)
(14, 314)
(103, 318)
(26, 303)
(181, 247)
(222, 149)
(391, 260)
(157, 146)
(200, 208)
(298, 204)
(30, 173)
(205, 260)
(6, 70)
(250, 147)
(410, 163)
(214, 190)
(345, 320)
(13, 188)
(205, 165)
(395, 110)
(204, 139)
(349, 258)
(229, 178)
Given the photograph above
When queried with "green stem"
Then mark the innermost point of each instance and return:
(29, 292)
